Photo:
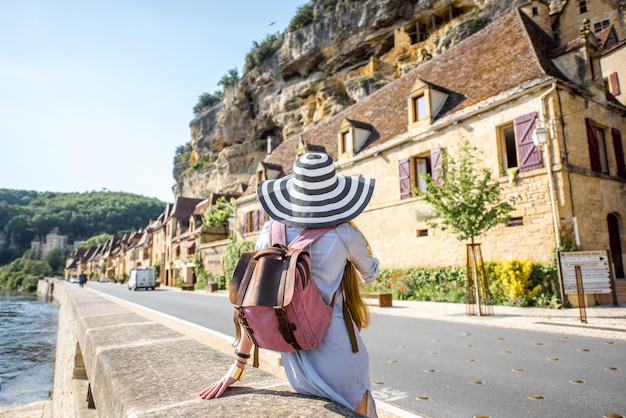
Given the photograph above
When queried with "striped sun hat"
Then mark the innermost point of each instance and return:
(314, 195)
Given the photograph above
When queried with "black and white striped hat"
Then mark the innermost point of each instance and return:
(314, 195)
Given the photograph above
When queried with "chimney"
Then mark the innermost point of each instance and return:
(269, 144)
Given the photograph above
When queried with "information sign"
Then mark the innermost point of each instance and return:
(594, 267)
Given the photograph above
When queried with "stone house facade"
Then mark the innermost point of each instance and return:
(494, 90)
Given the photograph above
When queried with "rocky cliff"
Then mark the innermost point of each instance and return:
(349, 50)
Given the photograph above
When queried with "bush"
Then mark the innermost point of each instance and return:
(207, 100)
(304, 16)
(231, 256)
(260, 52)
(443, 284)
(512, 283)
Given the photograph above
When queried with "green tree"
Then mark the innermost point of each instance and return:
(305, 15)
(218, 212)
(467, 201)
(262, 51)
(229, 79)
(207, 100)
(56, 260)
(96, 240)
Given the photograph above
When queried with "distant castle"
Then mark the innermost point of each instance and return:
(51, 241)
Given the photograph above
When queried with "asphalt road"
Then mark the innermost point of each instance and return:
(448, 369)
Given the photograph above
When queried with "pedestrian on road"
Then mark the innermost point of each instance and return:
(315, 196)
(82, 279)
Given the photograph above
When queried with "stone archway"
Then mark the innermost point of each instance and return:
(615, 244)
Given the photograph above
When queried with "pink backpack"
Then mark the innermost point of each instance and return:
(276, 300)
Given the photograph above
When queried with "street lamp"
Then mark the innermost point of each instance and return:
(540, 135)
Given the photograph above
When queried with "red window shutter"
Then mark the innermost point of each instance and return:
(255, 220)
(614, 82)
(436, 168)
(405, 178)
(528, 153)
(262, 217)
(245, 222)
(594, 146)
(619, 152)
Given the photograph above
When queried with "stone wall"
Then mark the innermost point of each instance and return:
(141, 364)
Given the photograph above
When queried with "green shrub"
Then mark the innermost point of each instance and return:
(262, 51)
(511, 283)
(304, 16)
(231, 256)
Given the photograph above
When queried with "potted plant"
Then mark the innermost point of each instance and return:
(211, 284)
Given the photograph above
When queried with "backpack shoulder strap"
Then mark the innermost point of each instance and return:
(278, 235)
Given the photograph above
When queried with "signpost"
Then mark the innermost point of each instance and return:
(594, 267)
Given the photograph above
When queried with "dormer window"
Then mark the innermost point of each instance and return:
(346, 141)
(419, 108)
(353, 136)
(268, 171)
(425, 101)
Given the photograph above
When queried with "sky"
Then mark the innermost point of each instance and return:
(97, 95)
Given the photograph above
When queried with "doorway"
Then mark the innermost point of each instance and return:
(615, 244)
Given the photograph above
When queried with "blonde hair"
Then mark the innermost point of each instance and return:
(350, 286)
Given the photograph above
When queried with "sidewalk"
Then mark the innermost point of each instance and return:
(603, 321)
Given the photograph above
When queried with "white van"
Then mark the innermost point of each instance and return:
(141, 279)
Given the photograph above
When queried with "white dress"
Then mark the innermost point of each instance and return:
(332, 370)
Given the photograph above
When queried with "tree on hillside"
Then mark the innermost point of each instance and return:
(95, 241)
(56, 260)
(25, 215)
(468, 202)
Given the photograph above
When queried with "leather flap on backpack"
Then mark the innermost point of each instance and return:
(239, 274)
(271, 287)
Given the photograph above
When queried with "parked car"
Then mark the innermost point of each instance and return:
(74, 280)
(103, 280)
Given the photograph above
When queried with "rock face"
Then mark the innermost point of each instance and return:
(350, 50)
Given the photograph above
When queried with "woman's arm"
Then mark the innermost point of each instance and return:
(360, 254)
(235, 373)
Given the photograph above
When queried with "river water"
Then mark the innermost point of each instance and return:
(28, 333)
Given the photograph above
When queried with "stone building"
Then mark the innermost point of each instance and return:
(52, 240)
(494, 89)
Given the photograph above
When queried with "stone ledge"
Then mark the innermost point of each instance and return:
(140, 368)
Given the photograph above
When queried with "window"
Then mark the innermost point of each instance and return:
(508, 146)
(422, 167)
(600, 26)
(519, 221)
(517, 148)
(582, 6)
(618, 146)
(604, 162)
(253, 220)
(597, 147)
(413, 171)
(535, 11)
(612, 84)
(421, 233)
(419, 108)
(346, 141)
(424, 102)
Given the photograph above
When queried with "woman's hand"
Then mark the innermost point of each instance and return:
(217, 388)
